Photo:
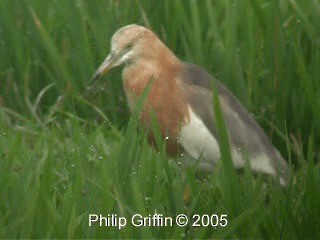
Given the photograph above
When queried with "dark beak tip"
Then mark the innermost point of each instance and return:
(91, 86)
(95, 77)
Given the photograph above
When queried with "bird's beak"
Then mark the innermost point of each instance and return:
(104, 68)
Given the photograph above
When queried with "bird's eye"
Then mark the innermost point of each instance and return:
(129, 45)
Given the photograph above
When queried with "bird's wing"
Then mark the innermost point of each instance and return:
(244, 132)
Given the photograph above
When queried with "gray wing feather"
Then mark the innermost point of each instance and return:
(243, 131)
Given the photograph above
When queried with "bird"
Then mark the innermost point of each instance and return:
(180, 97)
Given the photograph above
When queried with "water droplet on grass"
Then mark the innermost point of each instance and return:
(91, 148)
(147, 198)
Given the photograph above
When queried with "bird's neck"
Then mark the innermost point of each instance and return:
(161, 67)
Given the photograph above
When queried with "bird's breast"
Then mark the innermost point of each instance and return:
(166, 100)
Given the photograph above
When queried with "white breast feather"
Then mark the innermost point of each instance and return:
(197, 140)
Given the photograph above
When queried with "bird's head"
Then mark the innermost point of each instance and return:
(127, 43)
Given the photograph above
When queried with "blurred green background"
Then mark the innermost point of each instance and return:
(61, 147)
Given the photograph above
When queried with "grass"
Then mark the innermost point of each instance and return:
(66, 153)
